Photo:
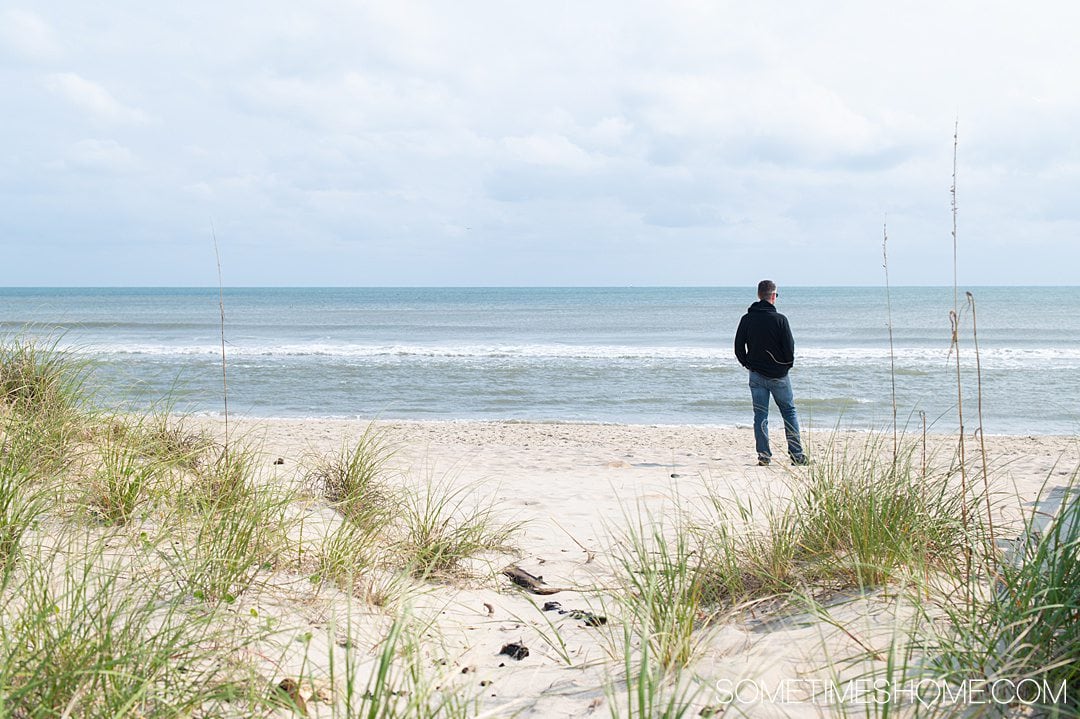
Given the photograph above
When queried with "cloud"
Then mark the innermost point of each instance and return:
(349, 101)
(550, 150)
(102, 155)
(611, 133)
(93, 98)
(27, 36)
(775, 115)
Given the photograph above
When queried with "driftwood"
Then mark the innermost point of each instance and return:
(530, 583)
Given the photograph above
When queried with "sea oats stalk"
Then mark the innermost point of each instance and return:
(224, 365)
(954, 321)
(922, 416)
(981, 430)
(889, 324)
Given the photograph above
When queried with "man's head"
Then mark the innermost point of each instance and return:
(766, 290)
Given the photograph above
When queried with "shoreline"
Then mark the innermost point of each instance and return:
(479, 449)
(214, 417)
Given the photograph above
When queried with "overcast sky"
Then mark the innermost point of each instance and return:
(337, 142)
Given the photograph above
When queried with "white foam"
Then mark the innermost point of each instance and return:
(929, 357)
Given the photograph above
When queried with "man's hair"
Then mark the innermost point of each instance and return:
(765, 288)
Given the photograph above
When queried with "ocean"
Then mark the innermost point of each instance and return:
(626, 355)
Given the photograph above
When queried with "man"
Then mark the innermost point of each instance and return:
(764, 345)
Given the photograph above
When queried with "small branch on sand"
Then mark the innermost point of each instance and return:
(531, 583)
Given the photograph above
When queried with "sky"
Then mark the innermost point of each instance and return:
(411, 143)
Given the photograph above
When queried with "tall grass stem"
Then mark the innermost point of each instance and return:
(982, 438)
(221, 307)
(892, 353)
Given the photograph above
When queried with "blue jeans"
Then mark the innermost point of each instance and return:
(761, 388)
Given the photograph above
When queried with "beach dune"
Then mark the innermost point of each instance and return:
(574, 489)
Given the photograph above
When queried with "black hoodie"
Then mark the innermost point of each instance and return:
(763, 342)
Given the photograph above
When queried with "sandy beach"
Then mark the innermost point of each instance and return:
(575, 488)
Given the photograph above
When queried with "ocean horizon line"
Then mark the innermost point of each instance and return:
(525, 287)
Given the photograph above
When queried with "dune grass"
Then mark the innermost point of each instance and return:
(126, 608)
(165, 436)
(428, 532)
(43, 407)
(38, 379)
(1006, 644)
(662, 575)
(79, 639)
(646, 689)
(231, 543)
(353, 479)
(853, 519)
(858, 519)
(21, 504)
(1021, 634)
(121, 481)
(442, 526)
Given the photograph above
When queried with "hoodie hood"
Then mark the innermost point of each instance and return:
(762, 306)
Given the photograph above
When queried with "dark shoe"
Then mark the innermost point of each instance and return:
(800, 462)
(763, 461)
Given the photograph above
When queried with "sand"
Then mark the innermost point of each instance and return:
(575, 486)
